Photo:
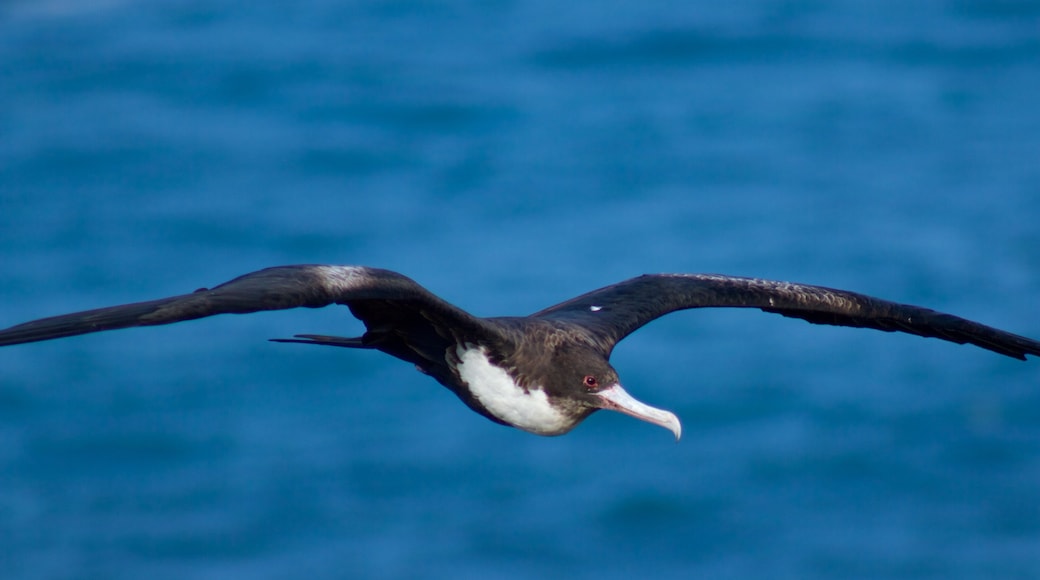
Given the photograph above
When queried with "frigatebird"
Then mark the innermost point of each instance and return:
(543, 373)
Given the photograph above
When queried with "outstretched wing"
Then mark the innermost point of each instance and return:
(374, 295)
(614, 312)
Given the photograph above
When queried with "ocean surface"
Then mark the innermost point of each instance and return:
(510, 155)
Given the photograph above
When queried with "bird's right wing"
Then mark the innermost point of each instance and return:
(373, 294)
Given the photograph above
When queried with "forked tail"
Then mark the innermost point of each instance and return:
(326, 340)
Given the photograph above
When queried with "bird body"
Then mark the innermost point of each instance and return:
(504, 398)
(543, 373)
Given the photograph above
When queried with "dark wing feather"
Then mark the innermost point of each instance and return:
(310, 286)
(614, 312)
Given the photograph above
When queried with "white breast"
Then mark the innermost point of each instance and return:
(502, 397)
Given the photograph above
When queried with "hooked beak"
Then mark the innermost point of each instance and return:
(616, 398)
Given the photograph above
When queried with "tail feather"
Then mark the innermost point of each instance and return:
(327, 340)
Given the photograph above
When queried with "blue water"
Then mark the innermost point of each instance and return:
(509, 155)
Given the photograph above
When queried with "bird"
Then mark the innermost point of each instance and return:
(543, 373)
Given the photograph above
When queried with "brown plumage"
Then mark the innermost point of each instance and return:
(559, 354)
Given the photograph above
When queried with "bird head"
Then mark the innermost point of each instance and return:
(583, 381)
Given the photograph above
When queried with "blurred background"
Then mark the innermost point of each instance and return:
(510, 155)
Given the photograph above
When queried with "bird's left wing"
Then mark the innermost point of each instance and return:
(310, 286)
(613, 312)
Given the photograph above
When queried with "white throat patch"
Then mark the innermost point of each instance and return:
(528, 410)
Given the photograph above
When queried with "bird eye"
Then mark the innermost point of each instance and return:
(590, 382)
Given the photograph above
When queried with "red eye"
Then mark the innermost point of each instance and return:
(590, 382)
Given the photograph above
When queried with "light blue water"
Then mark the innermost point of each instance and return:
(509, 155)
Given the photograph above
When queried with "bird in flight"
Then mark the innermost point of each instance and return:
(543, 373)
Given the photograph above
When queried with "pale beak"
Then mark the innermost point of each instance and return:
(616, 398)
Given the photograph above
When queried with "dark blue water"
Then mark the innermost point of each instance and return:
(509, 155)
